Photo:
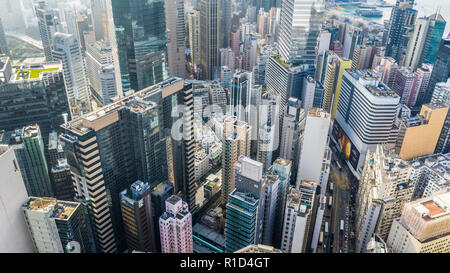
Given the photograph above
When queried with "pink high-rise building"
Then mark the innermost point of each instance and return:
(175, 227)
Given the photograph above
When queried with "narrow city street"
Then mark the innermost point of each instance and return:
(342, 187)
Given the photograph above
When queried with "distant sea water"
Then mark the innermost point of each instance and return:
(424, 7)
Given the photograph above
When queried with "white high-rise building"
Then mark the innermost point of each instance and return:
(308, 91)
(298, 219)
(68, 51)
(300, 25)
(268, 128)
(100, 71)
(176, 37)
(14, 236)
(365, 116)
(49, 24)
(315, 156)
(423, 227)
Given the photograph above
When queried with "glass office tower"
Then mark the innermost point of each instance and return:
(141, 41)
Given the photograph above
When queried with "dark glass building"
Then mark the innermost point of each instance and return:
(141, 41)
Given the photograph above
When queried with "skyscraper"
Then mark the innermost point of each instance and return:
(210, 32)
(365, 116)
(298, 220)
(176, 38)
(194, 36)
(293, 126)
(14, 235)
(403, 16)
(137, 217)
(130, 139)
(141, 42)
(314, 157)
(245, 206)
(241, 87)
(300, 25)
(175, 227)
(54, 225)
(99, 62)
(66, 49)
(160, 194)
(441, 69)
(49, 24)
(29, 149)
(236, 142)
(434, 37)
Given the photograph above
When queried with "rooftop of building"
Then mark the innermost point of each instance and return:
(174, 199)
(282, 162)
(59, 209)
(368, 79)
(318, 113)
(210, 234)
(438, 164)
(136, 102)
(31, 72)
(434, 207)
(161, 188)
(259, 249)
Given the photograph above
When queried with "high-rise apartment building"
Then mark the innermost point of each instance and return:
(293, 126)
(423, 226)
(299, 215)
(66, 49)
(365, 116)
(268, 128)
(29, 149)
(137, 217)
(175, 227)
(176, 38)
(384, 188)
(210, 33)
(236, 142)
(300, 25)
(282, 168)
(140, 41)
(57, 226)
